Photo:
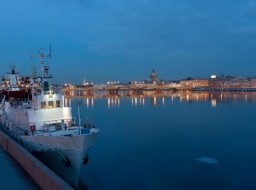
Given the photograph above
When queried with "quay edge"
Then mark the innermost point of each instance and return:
(42, 175)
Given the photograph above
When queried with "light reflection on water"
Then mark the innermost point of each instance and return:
(160, 98)
(181, 141)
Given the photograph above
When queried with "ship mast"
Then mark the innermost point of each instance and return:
(45, 69)
(42, 79)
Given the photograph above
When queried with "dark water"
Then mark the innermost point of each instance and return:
(12, 176)
(154, 143)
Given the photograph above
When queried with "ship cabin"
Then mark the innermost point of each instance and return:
(47, 98)
(46, 111)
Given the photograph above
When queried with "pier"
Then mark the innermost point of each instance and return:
(42, 175)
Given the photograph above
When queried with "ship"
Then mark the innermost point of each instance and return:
(36, 114)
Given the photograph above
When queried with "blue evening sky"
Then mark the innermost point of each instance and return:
(117, 40)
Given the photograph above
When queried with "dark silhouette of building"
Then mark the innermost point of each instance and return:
(153, 77)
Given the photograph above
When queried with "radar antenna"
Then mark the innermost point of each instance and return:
(45, 69)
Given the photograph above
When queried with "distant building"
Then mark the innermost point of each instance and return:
(217, 82)
(194, 83)
(153, 77)
(232, 82)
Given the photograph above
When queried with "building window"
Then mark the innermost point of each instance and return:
(50, 104)
(58, 103)
(43, 104)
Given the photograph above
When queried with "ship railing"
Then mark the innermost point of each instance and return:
(65, 125)
(38, 92)
(15, 131)
(55, 125)
(56, 121)
(21, 103)
(18, 130)
(53, 90)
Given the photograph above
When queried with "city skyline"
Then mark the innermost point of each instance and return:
(112, 40)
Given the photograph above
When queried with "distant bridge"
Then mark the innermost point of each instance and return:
(118, 89)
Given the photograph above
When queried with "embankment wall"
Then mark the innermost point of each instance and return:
(42, 175)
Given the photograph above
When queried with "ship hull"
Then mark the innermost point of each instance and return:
(62, 154)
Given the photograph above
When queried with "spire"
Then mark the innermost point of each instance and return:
(84, 82)
(153, 77)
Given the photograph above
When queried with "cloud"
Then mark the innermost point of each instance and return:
(148, 27)
(85, 4)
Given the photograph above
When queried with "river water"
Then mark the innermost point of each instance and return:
(174, 141)
(181, 141)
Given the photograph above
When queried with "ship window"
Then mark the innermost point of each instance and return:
(58, 103)
(43, 104)
(50, 104)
